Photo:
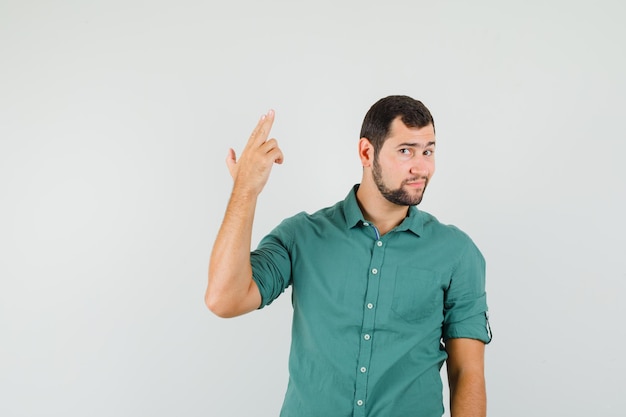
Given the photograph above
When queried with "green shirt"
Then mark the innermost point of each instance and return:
(370, 311)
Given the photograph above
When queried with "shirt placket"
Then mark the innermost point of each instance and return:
(369, 321)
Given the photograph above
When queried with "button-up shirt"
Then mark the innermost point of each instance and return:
(371, 312)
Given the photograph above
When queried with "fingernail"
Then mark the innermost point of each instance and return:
(263, 117)
(271, 112)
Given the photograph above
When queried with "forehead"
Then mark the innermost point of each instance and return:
(400, 133)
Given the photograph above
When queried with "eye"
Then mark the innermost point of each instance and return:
(405, 151)
(428, 152)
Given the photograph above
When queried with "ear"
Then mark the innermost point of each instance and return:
(366, 152)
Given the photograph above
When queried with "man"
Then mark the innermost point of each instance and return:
(383, 293)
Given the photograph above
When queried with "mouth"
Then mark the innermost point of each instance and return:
(416, 184)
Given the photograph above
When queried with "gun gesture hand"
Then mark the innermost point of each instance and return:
(251, 171)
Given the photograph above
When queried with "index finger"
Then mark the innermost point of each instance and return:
(262, 130)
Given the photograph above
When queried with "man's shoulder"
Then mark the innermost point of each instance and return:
(325, 214)
(434, 227)
(322, 214)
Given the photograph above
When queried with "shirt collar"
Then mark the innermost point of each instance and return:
(354, 217)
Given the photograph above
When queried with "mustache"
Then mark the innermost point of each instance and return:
(415, 179)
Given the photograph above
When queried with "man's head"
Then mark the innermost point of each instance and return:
(397, 148)
(377, 122)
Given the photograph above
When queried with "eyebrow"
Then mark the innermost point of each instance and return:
(415, 144)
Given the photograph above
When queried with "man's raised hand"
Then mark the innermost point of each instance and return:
(251, 171)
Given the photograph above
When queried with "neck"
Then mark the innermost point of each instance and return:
(376, 209)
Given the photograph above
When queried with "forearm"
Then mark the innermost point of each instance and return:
(467, 394)
(230, 273)
(466, 377)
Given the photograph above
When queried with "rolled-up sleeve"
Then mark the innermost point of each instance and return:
(271, 264)
(465, 305)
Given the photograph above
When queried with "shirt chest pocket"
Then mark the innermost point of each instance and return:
(417, 293)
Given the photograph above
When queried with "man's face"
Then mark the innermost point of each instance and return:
(405, 163)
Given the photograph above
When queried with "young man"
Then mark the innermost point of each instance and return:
(383, 293)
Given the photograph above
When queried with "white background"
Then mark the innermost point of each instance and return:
(116, 117)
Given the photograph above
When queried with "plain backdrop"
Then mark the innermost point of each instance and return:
(115, 120)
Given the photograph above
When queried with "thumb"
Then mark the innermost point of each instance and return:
(231, 161)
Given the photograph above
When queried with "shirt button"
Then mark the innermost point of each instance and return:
(366, 224)
(359, 403)
(374, 271)
(363, 369)
(379, 243)
(370, 306)
(366, 336)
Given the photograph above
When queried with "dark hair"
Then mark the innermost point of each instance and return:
(378, 119)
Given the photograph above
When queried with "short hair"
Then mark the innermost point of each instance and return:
(378, 119)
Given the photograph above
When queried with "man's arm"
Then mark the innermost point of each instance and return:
(466, 377)
(231, 291)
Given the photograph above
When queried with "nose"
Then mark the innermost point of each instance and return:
(419, 166)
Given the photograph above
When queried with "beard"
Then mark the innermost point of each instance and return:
(398, 196)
